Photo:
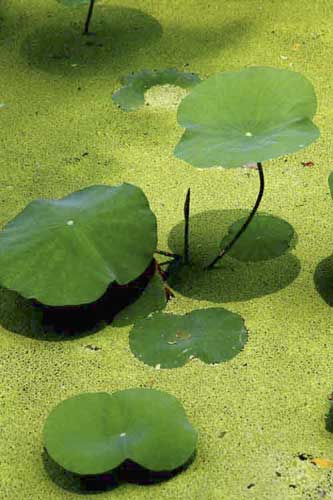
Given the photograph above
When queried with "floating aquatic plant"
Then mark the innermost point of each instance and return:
(132, 94)
(248, 116)
(68, 251)
(93, 433)
(212, 335)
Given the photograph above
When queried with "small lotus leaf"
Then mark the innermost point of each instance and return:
(94, 433)
(131, 95)
(248, 116)
(152, 299)
(68, 251)
(169, 341)
(330, 183)
(267, 237)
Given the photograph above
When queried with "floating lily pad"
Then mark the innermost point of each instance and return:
(330, 183)
(152, 299)
(267, 237)
(94, 433)
(131, 95)
(248, 116)
(167, 340)
(68, 251)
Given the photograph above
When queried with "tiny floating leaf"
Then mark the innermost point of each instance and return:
(248, 116)
(330, 183)
(68, 251)
(213, 335)
(131, 95)
(93, 433)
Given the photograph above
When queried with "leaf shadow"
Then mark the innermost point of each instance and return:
(127, 472)
(329, 418)
(119, 34)
(232, 280)
(31, 319)
(323, 280)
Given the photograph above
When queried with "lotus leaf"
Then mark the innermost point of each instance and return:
(167, 340)
(248, 116)
(131, 95)
(93, 433)
(68, 251)
(266, 237)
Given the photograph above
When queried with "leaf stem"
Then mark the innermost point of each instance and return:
(90, 12)
(168, 254)
(187, 225)
(246, 223)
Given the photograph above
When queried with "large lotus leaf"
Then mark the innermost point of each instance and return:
(267, 237)
(131, 95)
(247, 116)
(153, 298)
(330, 183)
(93, 433)
(169, 341)
(68, 251)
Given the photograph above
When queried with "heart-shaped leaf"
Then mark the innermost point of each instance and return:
(267, 237)
(131, 95)
(169, 341)
(330, 183)
(68, 251)
(248, 116)
(93, 433)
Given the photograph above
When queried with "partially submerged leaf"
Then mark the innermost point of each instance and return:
(153, 299)
(168, 340)
(267, 237)
(131, 95)
(68, 251)
(248, 116)
(330, 183)
(93, 433)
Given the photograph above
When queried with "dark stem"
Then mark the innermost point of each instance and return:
(187, 225)
(246, 223)
(168, 254)
(168, 293)
(90, 11)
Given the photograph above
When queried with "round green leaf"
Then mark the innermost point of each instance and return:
(131, 95)
(93, 433)
(169, 341)
(330, 183)
(247, 116)
(266, 237)
(68, 251)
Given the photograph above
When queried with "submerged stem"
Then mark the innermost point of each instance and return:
(187, 225)
(246, 223)
(90, 11)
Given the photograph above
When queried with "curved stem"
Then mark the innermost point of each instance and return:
(90, 11)
(246, 223)
(187, 225)
(168, 254)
